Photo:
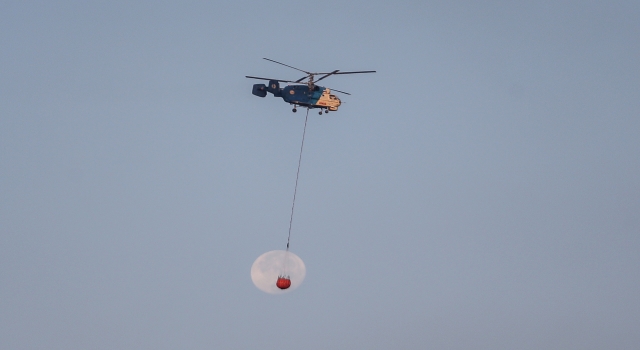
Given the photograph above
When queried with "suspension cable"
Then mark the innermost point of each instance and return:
(295, 190)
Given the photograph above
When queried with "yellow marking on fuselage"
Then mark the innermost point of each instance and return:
(332, 102)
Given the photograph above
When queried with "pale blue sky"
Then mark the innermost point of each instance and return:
(480, 191)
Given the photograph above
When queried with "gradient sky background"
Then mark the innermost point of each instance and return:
(481, 191)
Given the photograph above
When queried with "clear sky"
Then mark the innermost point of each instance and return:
(481, 191)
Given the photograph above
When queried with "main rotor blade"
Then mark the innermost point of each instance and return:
(286, 65)
(326, 75)
(362, 71)
(282, 81)
(346, 93)
(303, 78)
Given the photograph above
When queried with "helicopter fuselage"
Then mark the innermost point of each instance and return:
(300, 95)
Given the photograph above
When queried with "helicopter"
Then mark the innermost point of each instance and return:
(306, 93)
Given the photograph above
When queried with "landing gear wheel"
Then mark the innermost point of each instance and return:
(320, 112)
(294, 110)
(326, 111)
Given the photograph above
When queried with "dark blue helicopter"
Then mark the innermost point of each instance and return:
(305, 95)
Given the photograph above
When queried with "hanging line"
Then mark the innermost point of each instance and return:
(284, 264)
(295, 190)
